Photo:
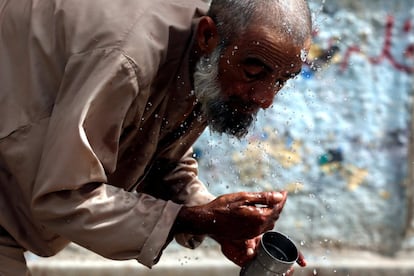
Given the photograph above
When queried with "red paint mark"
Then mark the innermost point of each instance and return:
(347, 56)
(409, 51)
(386, 50)
(407, 26)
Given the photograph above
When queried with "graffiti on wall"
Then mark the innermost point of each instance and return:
(320, 57)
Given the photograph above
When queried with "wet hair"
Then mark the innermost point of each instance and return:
(287, 17)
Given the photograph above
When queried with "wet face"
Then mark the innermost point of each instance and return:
(234, 83)
(222, 116)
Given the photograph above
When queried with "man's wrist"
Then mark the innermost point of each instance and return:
(190, 220)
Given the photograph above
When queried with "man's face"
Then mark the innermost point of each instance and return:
(233, 83)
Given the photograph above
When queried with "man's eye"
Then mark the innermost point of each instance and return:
(254, 72)
(254, 68)
(253, 75)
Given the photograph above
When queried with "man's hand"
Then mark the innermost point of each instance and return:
(238, 216)
(239, 252)
(242, 252)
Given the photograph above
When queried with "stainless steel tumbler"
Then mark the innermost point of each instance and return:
(275, 255)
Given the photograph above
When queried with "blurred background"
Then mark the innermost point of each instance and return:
(338, 138)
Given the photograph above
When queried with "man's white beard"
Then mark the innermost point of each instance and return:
(221, 117)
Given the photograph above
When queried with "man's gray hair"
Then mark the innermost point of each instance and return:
(234, 17)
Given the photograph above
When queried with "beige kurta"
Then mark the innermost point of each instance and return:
(97, 121)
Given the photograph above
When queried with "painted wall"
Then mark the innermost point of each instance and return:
(337, 136)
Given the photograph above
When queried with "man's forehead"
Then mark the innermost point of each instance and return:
(256, 36)
(274, 50)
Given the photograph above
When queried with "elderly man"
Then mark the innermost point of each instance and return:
(101, 101)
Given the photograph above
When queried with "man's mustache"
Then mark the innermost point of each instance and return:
(238, 105)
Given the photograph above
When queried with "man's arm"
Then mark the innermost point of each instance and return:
(69, 195)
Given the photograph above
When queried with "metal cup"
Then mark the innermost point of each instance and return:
(275, 256)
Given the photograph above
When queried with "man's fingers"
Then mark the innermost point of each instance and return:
(277, 209)
(269, 204)
(301, 260)
(264, 198)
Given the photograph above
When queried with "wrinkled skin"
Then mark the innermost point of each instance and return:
(254, 69)
(236, 216)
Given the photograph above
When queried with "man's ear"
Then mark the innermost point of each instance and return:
(207, 36)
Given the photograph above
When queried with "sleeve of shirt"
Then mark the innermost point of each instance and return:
(178, 181)
(69, 195)
(193, 193)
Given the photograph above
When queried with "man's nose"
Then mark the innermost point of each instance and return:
(263, 97)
